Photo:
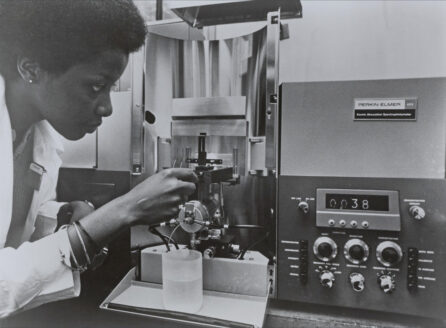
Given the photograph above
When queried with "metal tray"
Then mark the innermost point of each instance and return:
(218, 310)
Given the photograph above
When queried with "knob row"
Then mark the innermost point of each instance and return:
(357, 251)
(386, 281)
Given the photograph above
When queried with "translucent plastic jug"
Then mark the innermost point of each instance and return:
(182, 280)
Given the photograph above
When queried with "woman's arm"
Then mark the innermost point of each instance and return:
(39, 272)
(36, 273)
(153, 200)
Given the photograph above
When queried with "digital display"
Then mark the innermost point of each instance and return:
(357, 202)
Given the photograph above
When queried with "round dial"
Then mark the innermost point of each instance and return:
(192, 212)
(389, 253)
(356, 251)
(325, 249)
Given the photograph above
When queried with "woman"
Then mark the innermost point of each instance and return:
(58, 61)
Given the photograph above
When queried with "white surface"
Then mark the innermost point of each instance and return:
(114, 135)
(209, 106)
(361, 40)
(248, 277)
(320, 137)
(238, 308)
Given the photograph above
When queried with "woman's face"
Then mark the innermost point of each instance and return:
(75, 101)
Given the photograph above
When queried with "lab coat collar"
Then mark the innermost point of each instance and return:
(46, 138)
(6, 167)
(2, 97)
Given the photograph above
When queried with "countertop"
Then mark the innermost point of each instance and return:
(85, 312)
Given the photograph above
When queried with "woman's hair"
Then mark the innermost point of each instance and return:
(61, 33)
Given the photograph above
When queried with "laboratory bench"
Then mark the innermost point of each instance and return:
(84, 311)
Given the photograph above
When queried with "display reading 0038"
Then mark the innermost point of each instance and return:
(357, 202)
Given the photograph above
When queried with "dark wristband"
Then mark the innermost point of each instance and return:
(76, 246)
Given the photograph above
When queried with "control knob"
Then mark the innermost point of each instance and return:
(357, 281)
(389, 253)
(386, 282)
(325, 249)
(303, 206)
(417, 212)
(327, 278)
(356, 251)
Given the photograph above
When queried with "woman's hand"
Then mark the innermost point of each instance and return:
(158, 197)
(153, 200)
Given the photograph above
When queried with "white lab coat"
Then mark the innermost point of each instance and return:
(35, 273)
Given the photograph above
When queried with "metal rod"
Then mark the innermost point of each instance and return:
(202, 149)
(188, 156)
(159, 10)
(235, 162)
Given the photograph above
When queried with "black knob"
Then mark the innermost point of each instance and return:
(390, 254)
(325, 250)
(356, 252)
